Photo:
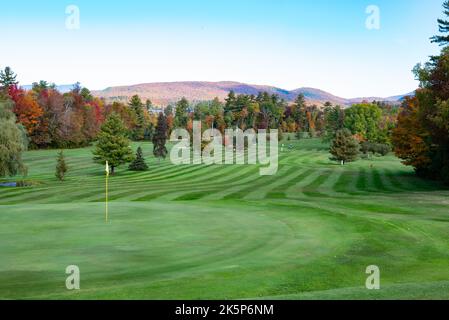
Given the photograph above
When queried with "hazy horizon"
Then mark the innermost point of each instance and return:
(29, 85)
(289, 44)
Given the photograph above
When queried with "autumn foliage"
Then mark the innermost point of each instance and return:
(52, 119)
(422, 134)
(27, 110)
(409, 137)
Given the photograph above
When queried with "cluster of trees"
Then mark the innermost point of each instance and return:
(47, 118)
(421, 137)
(56, 120)
(266, 111)
(366, 121)
(363, 128)
(113, 146)
(263, 111)
(73, 119)
(43, 117)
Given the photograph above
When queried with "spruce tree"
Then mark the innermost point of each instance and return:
(148, 104)
(344, 148)
(7, 78)
(137, 106)
(334, 118)
(160, 137)
(181, 113)
(113, 143)
(443, 25)
(138, 164)
(299, 113)
(61, 167)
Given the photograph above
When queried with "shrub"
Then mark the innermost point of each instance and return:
(368, 147)
(23, 184)
(61, 167)
(383, 149)
(303, 135)
(138, 164)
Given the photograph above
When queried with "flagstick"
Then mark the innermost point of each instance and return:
(107, 178)
(106, 213)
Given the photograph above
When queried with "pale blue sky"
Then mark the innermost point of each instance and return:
(286, 43)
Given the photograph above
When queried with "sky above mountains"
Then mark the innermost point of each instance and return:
(287, 43)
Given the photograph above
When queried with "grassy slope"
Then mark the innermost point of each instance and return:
(224, 231)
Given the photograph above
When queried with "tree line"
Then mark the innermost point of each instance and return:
(421, 137)
(47, 118)
(418, 130)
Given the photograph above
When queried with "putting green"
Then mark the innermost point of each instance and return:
(224, 232)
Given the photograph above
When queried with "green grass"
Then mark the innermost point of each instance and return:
(224, 232)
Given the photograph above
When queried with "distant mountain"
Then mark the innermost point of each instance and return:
(401, 97)
(164, 93)
(319, 96)
(388, 99)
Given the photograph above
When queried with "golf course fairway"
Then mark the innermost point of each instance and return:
(225, 232)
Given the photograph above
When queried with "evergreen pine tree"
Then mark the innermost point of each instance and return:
(230, 102)
(61, 167)
(148, 104)
(160, 137)
(7, 78)
(138, 164)
(137, 106)
(181, 113)
(299, 113)
(113, 143)
(344, 148)
(443, 27)
(334, 118)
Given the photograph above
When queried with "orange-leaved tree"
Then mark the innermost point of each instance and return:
(410, 138)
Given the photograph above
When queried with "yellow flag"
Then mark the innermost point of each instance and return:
(106, 202)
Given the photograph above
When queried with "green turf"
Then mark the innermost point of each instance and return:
(224, 232)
